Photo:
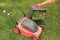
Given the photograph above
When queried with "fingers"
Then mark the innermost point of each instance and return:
(38, 5)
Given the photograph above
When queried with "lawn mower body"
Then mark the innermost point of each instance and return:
(28, 28)
(25, 26)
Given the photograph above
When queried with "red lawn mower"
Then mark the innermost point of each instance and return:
(26, 26)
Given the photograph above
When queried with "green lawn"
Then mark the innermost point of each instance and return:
(51, 23)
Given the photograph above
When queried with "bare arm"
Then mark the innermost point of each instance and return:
(57, 1)
(47, 2)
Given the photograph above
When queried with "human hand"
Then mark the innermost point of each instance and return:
(39, 5)
(45, 2)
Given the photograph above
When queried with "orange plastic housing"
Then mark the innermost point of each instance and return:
(28, 33)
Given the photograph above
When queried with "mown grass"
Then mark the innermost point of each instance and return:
(51, 23)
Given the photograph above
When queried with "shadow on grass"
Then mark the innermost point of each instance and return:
(39, 22)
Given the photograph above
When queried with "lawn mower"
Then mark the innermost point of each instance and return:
(26, 26)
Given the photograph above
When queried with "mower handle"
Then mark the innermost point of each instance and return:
(4, 11)
(33, 8)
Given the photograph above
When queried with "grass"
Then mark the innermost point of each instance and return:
(51, 23)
